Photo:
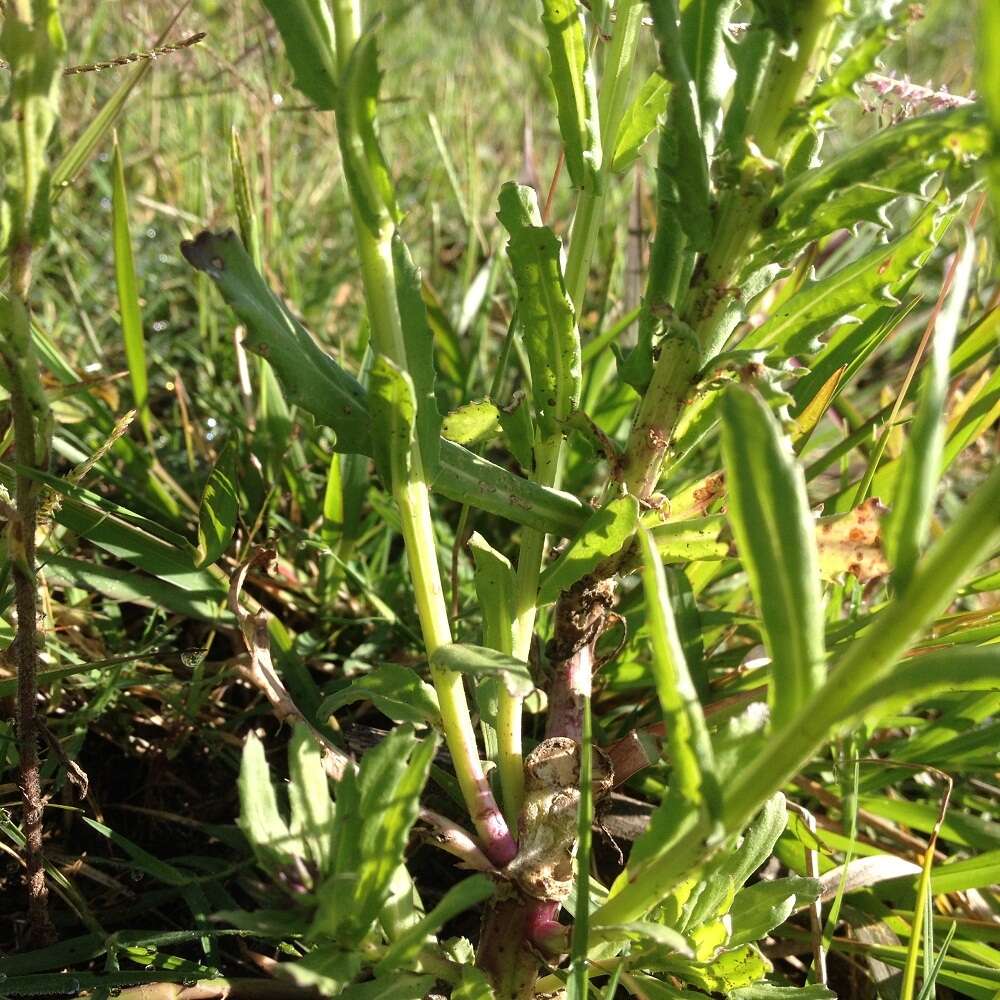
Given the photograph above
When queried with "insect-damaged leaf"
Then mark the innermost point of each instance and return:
(852, 543)
(472, 423)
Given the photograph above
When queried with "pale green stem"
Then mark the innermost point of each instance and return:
(412, 499)
(548, 457)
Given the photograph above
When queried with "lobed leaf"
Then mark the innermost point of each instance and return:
(375, 810)
(314, 381)
(573, 83)
(544, 309)
(856, 290)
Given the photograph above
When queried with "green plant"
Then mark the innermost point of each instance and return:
(740, 195)
(644, 476)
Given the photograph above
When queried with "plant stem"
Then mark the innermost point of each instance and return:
(708, 305)
(33, 43)
(614, 93)
(29, 412)
(412, 498)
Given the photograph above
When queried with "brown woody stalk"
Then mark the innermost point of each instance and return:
(29, 411)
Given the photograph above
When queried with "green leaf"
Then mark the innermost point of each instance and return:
(726, 875)
(396, 691)
(980, 872)
(605, 534)
(573, 82)
(138, 588)
(260, 819)
(693, 776)
(314, 381)
(759, 908)
(639, 121)
(399, 987)
(682, 166)
(645, 934)
(418, 342)
(495, 586)
(312, 812)
(364, 164)
(856, 185)
(988, 85)
(909, 519)
(128, 294)
(376, 809)
(325, 970)
(472, 423)
(855, 291)
(306, 28)
(459, 898)
(479, 661)
(394, 411)
(544, 308)
(219, 508)
(690, 540)
(310, 377)
(703, 34)
(775, 536)
(922, 677)
(765, 991)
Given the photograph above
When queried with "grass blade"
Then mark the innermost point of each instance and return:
(128, 295)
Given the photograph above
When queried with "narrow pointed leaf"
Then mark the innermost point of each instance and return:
(219, 509)
(909, 519)
(128, 294)
(775, 536)
(306, 28)
(605, 534)
(691, 754)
